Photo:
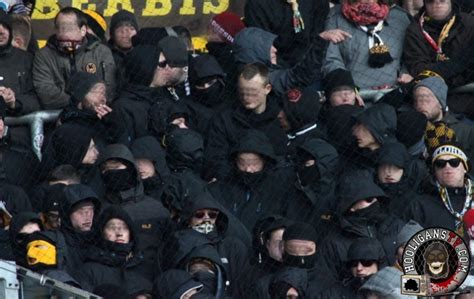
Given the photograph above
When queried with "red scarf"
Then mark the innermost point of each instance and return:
(365, 13)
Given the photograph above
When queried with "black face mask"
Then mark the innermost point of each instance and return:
(252, 179)
(308, 175)
(373, 212)
(305, 262)
(119, 179)
(209, 280)
(212, 96)
(152, 183)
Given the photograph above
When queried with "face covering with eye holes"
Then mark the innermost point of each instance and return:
(119, 179)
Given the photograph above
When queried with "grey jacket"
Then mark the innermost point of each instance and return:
(52, 69)
(353, 53)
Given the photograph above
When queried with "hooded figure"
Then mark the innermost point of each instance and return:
(252, 191)
(207, 71)
(359, 215)
(313, 198)
(174, 284)
(254, 45)
(125, 189)
(122, 18)
(116, 261)
(17, 239)
(77, 241)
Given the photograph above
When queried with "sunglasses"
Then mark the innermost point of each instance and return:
(202, 214)
(452, 162)
(162, 64)
(365, 263)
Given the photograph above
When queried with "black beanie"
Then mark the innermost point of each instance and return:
(302, 107)
(335, 79)
(175, 51)
(300, 231)
(411, 127)
(79, 85)
(70, 143)
(365, 249)
(140, 64)
(120, 17)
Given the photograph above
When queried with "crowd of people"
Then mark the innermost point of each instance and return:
(253, 169)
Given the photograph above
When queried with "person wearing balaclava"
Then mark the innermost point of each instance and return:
(22, 225)
(256, 185)
(115, 258)
(124, 188)
(312, 196)
(359, 214)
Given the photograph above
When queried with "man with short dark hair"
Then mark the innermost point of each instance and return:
(68, 51)
(257, 110)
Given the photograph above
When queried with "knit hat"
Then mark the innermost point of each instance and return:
(453, 150)
(302, 107)
(79, 85)
(436, 134)
(122, 17)
(226, 25)
(407, 231)
(337, 78)
(175, 51)
(394, 154)
(96, 22)
(411, 127)
(140, 64)
(439, 88)
(365, 249)
(300, 231)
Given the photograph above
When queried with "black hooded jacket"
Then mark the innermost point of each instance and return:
(148, 213)
(278, 284)
(114, 263)
(370, 222)
(312, 198)
(17, 239)
(173, 283)
(226, 127)
(252, 196)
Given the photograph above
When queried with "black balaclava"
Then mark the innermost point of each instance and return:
(120, 179)
(300, 231)
(306, 174)
(212, 96)
(204, 69)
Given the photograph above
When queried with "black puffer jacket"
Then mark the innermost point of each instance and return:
(278, 284)
(115, 263)
(252, 196)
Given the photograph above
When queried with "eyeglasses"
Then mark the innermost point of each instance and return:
(202, 214)
(365, 263)
(162, 64)
(452, 162)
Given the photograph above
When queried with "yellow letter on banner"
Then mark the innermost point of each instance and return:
(79, 4)
(112, 7)
(209, 7)
(46, 9)
(187, 8)
(151, 10)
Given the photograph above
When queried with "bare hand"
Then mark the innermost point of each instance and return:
(359, 100)
(102, 110)
(405, 78)
(335, 35)
(8, 96)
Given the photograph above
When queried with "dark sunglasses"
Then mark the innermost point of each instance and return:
(365, 263)
(163, 64)
(202, 214)
(452, 162)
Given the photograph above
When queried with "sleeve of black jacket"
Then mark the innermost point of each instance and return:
(217, 149)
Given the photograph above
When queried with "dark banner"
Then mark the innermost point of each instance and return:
(194, 14)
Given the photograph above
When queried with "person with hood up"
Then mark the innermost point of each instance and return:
(257, 110)
(78, 212)
(123, 27)
(207, 217)
(257, 185)
(151, 164)
(115, 258)
(312, 198)
(399, 177)
(340, 89)
(449, 192)
(70, 50)
(359, 215)
(177, 284)
(21, 225)
(374, 127)
(405, 234)
(373, 54)
(80, 152)
(299, 251)
(255, 45)
(124, 188)
(90, 108)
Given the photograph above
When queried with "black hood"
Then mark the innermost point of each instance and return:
(253, 45)
(174, 283)
(339, 121)
(355, 186)
(290, 276)
(302, 108)
(381, 121)
(68, 150)
(255, 141)
(73, 195)
(117, 212)
(149, 148)
(205, 66)
(262, 229)
(54, 237)
(149, 36)
(118, 152)
(140, 64)
(161, 114)
(395, 154)
(326, 156)
(184, 148)
(205, 200)
(16, 224)
(366, 249)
